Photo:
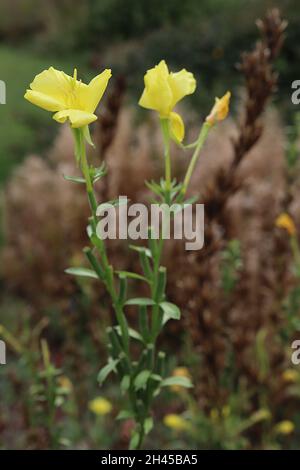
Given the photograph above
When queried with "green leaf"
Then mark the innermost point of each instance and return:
(190, 200)
(148, 425)
(125, 383)
(89, 231)
(113, 203)
(97, 173)
(140, 301)
(87, 135)
(134, 441)
(132, 333)
(106, 370)
(171, 311)
(181, 381)
(84, 272)
(132, 275)
(74, 179)
(125, 414)
(141, 379)
(141, 249)
(156, 377)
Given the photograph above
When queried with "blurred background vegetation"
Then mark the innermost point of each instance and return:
(240, 296)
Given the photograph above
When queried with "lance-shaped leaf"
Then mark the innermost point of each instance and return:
(132, 333)
(181, 381)
(171, 311)
(84, 272)
(141, 249)
(106, 370)
(125, 414)
(132, 275)
(74, 179)
(141, 379)
(140, 301)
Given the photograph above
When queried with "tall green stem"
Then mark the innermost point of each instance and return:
(201, 140)
(108, 271)
(165, 125)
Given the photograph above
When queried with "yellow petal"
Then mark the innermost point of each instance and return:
(53, 83)
(43, 101)
(182, 83)
(177, 127)
(220, 109)
(77, 117)
(286, 222)
(157, 94)
(91, 94)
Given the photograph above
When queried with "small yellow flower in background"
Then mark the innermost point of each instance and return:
(65, 383)
(55, 91)
(176, 422)
(286, 222)
(214, 414)
(180, 372)
(220, 109)
(100, 406)
(226, 411)
(284, 427)
(163, 90)
(290, 375)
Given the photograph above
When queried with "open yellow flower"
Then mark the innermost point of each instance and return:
(290, 375)
(220, 109)
(284, 427)
(100, 406)
(55, 91)
(286, 222)
(163, 90)
(176, 422)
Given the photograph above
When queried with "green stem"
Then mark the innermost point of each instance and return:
(165, 125)
(201, 140)
(141, 435)
(107, 269)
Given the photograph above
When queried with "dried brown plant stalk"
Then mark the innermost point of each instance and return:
(217, 324)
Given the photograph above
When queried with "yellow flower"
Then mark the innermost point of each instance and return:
(163, 90)
(176, 422)
(68, 97)
(286, 222)
(214, 414)
(284, 427)
(290, 375)
(226, 411)
(65, 383)
(100, 406)
(180, 372)
(220, 109)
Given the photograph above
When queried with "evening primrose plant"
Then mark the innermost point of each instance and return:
(142, 379)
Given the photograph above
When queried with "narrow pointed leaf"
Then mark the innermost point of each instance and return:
(84, 272)
(171, 311)
(181, 381)
(140, 301)
(74, 179)
(106, 370)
